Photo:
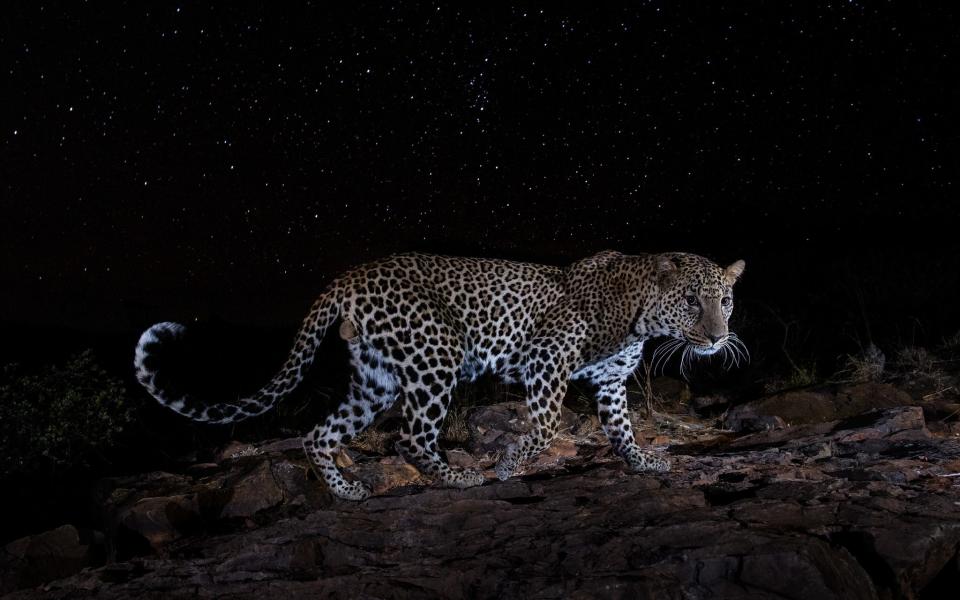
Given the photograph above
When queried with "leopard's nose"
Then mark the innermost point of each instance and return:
(713, 338)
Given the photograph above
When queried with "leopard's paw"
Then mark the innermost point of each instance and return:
(646, 462)
(354, 490)
(508, 463)
(464, 478)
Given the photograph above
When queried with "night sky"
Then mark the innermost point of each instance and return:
(194, 162)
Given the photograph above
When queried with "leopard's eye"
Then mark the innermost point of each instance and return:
(726, 301)
(691, 300)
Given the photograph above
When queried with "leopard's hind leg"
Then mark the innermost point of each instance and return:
(545, 391)
(373, 389)
(424, 408)
(428, 386)
(545, 374)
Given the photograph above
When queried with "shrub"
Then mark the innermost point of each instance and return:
(803, 376)
(60, 417)
(917, 361)
(869, 365)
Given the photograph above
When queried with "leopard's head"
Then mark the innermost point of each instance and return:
(696, 301)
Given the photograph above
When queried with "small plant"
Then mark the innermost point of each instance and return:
(918, 362)
(802, 376)
(869, 365)
(374, 441)
(952, 342)
(579, 400)
(60, 417)
(646, 389)
(456, 429)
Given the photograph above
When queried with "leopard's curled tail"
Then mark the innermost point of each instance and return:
(322, 314)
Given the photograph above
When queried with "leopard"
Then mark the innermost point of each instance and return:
(417, 324)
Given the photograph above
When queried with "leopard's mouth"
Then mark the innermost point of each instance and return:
(704, 350)
(729, 348)
(702, 346)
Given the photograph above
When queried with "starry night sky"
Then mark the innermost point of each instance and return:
(189, 161)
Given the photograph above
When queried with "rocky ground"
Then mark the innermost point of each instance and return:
(842, 492)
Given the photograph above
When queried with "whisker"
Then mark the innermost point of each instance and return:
(675, 349)
(659, 358)
(746, 351)
(683, 360)
(663, 353)
(734, 359)
(682, 349)
(725, 356)
(740, 346)
(734, 356)
(736, 350)
(658, 354)
(678, 344)
(653, 358)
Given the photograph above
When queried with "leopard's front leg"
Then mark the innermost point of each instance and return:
(615, 419)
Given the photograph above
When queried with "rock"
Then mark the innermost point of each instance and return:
(387, 473)
(201, 469)
(746, 421)
(158, 520)
(795, 408)
(37, 559)
(904, 423)
(857, 507)
(814, 406)
(705, 404)
(670, 389)
(151, 514)
(492, 428)
(296, 486)
(577, 424)
(559, 453)
(856, 399)
(459, 458)
(294, 445)
(875, 431)
(343, 459)
(252, 492)
(237, 450)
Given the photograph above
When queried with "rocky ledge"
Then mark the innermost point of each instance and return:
(865, 506)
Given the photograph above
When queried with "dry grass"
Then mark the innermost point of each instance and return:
(646, 389)
(869, 365)
(803, 376)
(482, 392)
(373, 441)
(579, 401)
(952, 342)
(912, 360)
(456, 429)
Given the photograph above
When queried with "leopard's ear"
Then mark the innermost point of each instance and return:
(667, 269)
(732, 273)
